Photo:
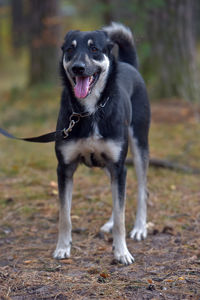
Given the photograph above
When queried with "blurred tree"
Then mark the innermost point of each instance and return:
(165, 35)
(172, 35)
(164, 32)
(44, 34)
(107, 11)
(18, 23)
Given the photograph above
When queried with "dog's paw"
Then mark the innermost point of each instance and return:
(62, 253)
(124, 257)
(139, 233)
(107, 227)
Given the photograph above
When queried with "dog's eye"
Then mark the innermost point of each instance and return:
(70, 50)
(93, 49)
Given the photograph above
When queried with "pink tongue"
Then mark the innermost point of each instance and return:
(82, 87)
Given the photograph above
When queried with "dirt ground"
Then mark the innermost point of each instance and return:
(167, 263)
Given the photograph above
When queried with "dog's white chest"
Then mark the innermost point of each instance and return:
(94, 150)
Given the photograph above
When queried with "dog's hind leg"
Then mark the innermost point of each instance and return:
(65, 185)
(141, 161)
(108, 226)
(118, 184)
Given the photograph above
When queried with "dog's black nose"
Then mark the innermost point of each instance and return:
(78, 68)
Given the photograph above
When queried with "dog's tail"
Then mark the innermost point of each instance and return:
(122, 36)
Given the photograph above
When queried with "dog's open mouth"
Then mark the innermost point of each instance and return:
(84, 85)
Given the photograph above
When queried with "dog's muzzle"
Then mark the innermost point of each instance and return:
(84, 79)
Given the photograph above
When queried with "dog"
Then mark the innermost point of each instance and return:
(108, 96)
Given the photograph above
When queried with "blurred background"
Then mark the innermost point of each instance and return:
(167, 35)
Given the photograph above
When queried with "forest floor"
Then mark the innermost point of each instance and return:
(167, 263)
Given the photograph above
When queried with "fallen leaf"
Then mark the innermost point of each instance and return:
(67, 261)
(104, 275)
(172, 187)
(74, 217)
(54, 192)
(150, 281)
(102, 248)
(27, 262)
(150, 225)
(53, 184)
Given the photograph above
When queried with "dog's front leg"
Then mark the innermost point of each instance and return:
(118, 183)
(65, 185)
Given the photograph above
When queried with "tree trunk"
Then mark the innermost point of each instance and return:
(18, 30)
(44, 39)
(107, 11)
(172, 36)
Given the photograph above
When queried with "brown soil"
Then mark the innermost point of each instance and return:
(167, 263)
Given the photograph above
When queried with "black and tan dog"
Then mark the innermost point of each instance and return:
(110, 99)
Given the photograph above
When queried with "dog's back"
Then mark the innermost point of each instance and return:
(130, 81)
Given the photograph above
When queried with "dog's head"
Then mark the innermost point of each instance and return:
(86, 60)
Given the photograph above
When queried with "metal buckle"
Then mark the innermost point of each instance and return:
(65, 133)
(76, 116)
(69, 129)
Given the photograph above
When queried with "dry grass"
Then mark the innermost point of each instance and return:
(166, 263)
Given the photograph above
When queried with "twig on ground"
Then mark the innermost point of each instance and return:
(162, 163)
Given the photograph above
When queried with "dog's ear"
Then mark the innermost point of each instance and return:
(69, 34)
(67, 37)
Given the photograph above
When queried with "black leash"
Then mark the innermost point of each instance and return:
(46, 138)
(57, 135)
